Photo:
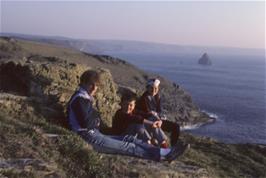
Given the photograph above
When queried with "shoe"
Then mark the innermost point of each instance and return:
(176, 151)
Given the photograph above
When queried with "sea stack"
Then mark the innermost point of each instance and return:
(205, 60)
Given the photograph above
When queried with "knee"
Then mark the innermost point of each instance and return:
(141, 129)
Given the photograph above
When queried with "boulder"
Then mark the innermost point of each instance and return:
(51, 84)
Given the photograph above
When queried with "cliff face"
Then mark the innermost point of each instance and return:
(37, 80)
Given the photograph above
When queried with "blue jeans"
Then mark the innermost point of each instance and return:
(156, 133)
(125, 145)
(139, 130)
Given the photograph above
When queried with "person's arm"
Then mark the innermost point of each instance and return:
(83, 110)
(147, 109)
(133, 118)
(145, 105)
(117, 125)
(80, 108)
(158, 104)
(141, 120)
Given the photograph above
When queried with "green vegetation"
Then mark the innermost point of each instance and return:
(226, 160)
(30, 152)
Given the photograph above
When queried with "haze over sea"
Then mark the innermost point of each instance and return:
(232, 89)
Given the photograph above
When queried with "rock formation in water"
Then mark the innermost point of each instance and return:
(205, 60)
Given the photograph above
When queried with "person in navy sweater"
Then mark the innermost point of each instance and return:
(83, 121)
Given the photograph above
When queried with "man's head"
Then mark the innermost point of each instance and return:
(153, 86)
(128, 103)
(90, 80)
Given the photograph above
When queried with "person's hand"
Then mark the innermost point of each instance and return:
(160, 123)
(163, 117)
(157, 124)
(97, 122)
(155, 114)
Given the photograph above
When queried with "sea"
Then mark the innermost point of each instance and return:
(232, 90)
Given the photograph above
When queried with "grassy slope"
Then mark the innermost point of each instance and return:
(64, 156)
(69, 155)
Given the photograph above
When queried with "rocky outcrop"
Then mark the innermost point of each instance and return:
(205, 60)
(8, 45)
(49, 85)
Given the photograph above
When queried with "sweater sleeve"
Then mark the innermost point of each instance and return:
(117, 124)
(136, 119)
(122, 120)
(158, 103)
(80, 107)
(143, 103)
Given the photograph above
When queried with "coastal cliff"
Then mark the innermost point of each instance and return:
(37, 80)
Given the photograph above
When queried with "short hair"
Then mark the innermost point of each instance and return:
(89, 77)
(128, 97)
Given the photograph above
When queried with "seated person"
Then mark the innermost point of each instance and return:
(128, 121)
(82, 120)
(150, 103)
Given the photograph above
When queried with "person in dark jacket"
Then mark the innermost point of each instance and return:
(84, 121)
(150, 103)
(128, 121)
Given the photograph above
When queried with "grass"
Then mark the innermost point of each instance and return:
(69, 156)
(65, 155)
(227, 160)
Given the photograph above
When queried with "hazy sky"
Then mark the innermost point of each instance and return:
(237, 24)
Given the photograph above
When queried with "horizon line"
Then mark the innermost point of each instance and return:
(129, 40)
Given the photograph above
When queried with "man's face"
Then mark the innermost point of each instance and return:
(153, 90)
(93, 89)
(128, 107)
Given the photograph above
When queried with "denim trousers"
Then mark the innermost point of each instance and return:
(124, 145)
(138, 130)
(156, 133)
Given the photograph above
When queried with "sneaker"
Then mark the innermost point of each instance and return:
(176, 151)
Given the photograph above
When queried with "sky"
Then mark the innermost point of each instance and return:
(230, 24)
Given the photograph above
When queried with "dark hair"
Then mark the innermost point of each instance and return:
(89, 77)
(128, 97)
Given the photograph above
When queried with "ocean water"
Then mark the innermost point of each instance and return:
(232, 90)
